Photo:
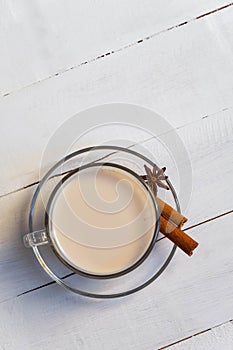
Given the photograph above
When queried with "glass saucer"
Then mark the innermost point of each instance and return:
(143, 272)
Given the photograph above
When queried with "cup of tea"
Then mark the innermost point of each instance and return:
(101, 222)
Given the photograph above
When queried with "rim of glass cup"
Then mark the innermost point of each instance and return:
(37, 253)
(155, 229)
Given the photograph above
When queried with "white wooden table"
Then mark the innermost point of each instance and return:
(175, 57)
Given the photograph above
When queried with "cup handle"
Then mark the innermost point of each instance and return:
(35, 238)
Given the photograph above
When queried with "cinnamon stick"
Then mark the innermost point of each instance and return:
(171, 222)
(170, 213)
(177, 236)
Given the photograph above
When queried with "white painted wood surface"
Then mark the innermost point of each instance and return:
(39, 40)
(184, 301)
(156, 74)
(203, 139)
(185, 74)
(220, 337)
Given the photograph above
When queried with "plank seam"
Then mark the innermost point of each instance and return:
(135, 144)
(125, 47)
(194, 335)
(102, 158)
(203, 222)
(71, 274)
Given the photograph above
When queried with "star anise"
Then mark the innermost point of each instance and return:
(155, 177)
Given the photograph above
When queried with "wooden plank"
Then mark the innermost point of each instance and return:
(186, 299)
(39, 39)
(209, 154)
(209, 144)
(171, 74)
(220, 337)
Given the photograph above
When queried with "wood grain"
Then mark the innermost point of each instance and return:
(149, 319)
(178, 81)
(39, 41)
(172, 57)
(220, 337)
(20, 271)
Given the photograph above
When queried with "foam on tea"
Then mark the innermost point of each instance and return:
(101, 220)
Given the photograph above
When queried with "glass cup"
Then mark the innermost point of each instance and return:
(101, 223)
